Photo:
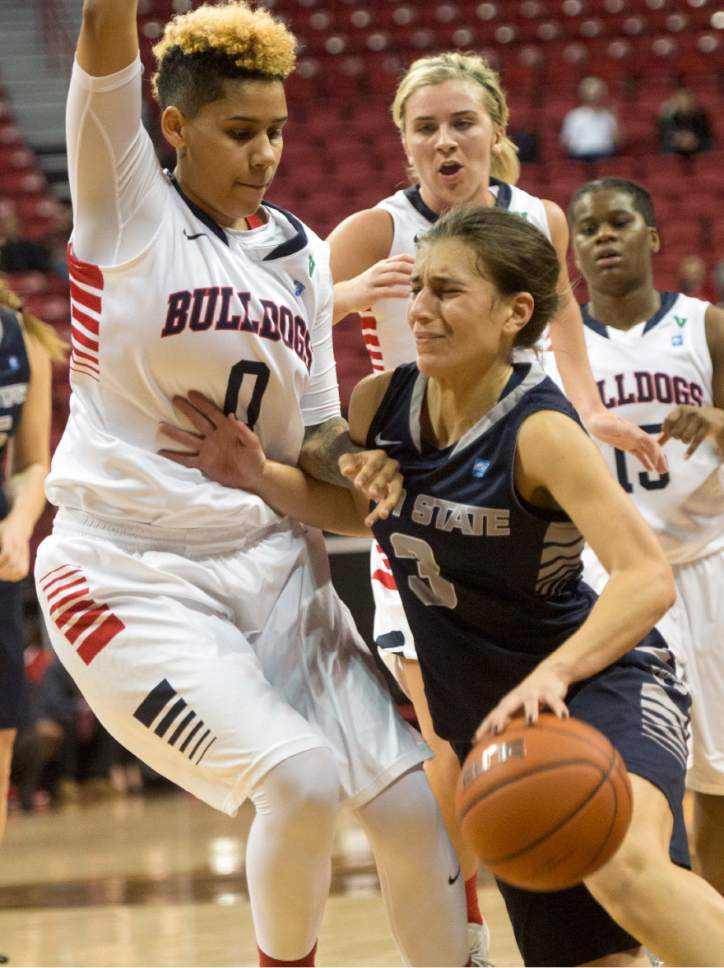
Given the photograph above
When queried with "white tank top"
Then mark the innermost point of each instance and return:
(384, 329)
(173, 302)
(642, 374)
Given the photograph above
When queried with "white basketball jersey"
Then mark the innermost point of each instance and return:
(642, 374)
(242, 316)
(385, 331)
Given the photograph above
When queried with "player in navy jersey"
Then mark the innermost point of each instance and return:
(658, 358)
(201, 626)
(451, 114)
(26, 348)
(502, 485)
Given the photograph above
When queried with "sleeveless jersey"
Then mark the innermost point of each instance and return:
(384, 329)
(642, 374)
(490, 584)
(14, 380)
(242, 316)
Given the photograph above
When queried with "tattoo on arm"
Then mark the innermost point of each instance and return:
(323, 445)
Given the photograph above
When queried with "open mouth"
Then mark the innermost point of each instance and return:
(450, 168)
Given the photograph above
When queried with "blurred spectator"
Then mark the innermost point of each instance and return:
(684, 126)
(65, 751)
(591, 130)
(527, 144)
(57, 239)
(693, 280)
(18, 254)
(717, 277)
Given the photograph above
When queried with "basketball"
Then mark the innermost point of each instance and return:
(544, 805)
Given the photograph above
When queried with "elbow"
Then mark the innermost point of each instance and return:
(97, 15)
(662, 588)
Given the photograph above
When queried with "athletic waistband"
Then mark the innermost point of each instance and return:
(189, 541)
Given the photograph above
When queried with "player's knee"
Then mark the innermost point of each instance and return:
(405, 811)
(619, 882)
(305, 787)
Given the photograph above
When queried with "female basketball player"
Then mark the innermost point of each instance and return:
(452, 114)
(659, 358)
(201, 626)
(26, 348)
(502, 486)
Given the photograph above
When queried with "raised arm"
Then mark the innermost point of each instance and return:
(556, 458)
(362, 268)
(569, 347)
(116, 183)
(108, 39)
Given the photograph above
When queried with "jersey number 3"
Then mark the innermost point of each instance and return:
(260, 374)
(428, 584)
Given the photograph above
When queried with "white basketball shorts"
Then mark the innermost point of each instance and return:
(694, 630)
(213, 663)
(391, 631)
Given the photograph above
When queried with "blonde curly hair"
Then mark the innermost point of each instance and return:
(452, 66)
(201, 48)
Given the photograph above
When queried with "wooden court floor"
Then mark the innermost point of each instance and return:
(159, 880)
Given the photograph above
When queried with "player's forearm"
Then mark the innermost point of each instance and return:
(631, 603)
(572, 361)
(108, 39)
(27, 497)
(346, 299)
(716, 418)
(322, 448)
(291, 492)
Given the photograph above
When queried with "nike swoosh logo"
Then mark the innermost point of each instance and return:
(451, 880)
(381, 442)
(192, 237)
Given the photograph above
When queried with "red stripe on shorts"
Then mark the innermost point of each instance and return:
(100, 637)
(384, 579)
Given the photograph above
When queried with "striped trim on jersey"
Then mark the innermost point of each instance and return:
(372, 341)
(86, 302)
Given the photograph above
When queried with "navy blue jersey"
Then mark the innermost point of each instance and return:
(490, 583)
(14, 379)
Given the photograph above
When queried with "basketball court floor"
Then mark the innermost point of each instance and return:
(159, 880)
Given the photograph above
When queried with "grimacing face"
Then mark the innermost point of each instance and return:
(612, 244)
(457, 316)
(229, 151)
(449, 139)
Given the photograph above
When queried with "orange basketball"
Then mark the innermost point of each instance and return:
(544, 806)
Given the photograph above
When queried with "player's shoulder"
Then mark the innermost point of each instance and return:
(365, 402)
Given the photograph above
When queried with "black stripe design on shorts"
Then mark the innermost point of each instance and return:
(164, 706)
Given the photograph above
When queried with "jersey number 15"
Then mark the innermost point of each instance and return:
(648, 482)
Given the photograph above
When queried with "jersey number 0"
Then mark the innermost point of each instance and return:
(260, 373)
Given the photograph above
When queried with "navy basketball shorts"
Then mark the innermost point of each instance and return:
(13, 693)
(642, 706)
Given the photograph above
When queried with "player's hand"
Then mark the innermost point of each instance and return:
(14, 551)
(625, 436)
(692, 425)
(387, 279)
(377, 476)
(542, 689)
(223, 448)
